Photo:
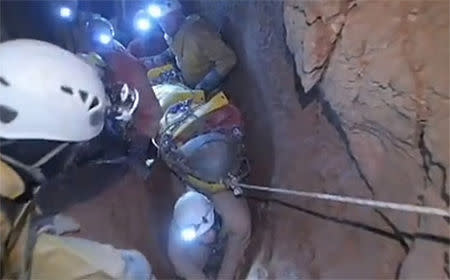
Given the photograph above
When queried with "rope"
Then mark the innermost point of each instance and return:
(353, 200)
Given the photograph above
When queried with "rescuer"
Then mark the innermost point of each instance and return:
(49, 100)
(200, 53)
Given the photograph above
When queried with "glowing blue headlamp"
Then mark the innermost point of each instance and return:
(65, 12)
(104, 38)
(155, 11)
(188, 234)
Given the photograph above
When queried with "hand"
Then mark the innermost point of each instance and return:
(210, 81)
(136, 265)
(58, 225)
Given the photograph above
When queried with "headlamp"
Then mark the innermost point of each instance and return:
(65, 12)
(104, 38)
(188, 234)
(143, 24)
(155, 11)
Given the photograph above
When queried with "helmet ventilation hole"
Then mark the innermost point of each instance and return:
(83, 95)
(3, 82)
(94, 103)
(67, 89)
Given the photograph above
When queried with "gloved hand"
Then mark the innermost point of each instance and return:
(211, 81)
(157, 60)
(58, 225)
(136, 265)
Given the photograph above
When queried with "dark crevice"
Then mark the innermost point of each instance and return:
(399, 236)
(304, 98)
(398, 270)
(446, 264)
(316, 68)
(377, 131)
(395, 230)
(303, 12)
(335, 121)
(428, 237)
(428, 162)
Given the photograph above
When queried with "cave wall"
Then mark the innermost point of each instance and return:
(383, 68)
(373, 124)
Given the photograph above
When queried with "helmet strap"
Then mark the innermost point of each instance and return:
(34, 170)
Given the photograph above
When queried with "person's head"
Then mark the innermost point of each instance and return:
(195, 218)
(169, 15)
(49, 97)
(100, 33)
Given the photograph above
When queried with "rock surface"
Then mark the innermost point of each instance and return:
(373, 123)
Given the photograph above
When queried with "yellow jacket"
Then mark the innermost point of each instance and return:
(199, 49)
(53, 257)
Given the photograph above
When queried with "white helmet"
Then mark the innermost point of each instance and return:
(161, 8)
(100, 30)
(193, 215)
(48, 93)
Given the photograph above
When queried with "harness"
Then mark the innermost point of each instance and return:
(17, 209)
(16, 213)
(20, 217)
(204, 160)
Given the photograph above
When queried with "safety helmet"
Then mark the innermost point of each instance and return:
(161, 8)
(48, 93)
(142, 21)
(100, 30)
(193, 215)
(94, 60)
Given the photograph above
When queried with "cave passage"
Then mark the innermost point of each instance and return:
(337, 96)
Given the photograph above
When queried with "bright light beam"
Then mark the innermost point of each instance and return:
(104, 38)
(188, 234)
(155, 11)
(65, 12)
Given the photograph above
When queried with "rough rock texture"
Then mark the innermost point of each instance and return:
(383, 68)
(380, 73)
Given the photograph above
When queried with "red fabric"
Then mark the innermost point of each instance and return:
(226, 117)
(124, 67)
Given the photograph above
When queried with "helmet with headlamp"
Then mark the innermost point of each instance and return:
(193, 215)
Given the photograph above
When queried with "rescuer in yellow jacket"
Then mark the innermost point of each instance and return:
(49, 99)
(200, 53)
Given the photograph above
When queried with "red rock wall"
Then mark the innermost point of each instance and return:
(374, 124)
(383, 67)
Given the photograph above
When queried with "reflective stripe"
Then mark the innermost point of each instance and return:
(209, 187)
(217, 102)
(155, 73)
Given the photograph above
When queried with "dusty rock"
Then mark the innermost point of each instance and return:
(314, 28)
(360, 137)
(386, 80)
(299, 148)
